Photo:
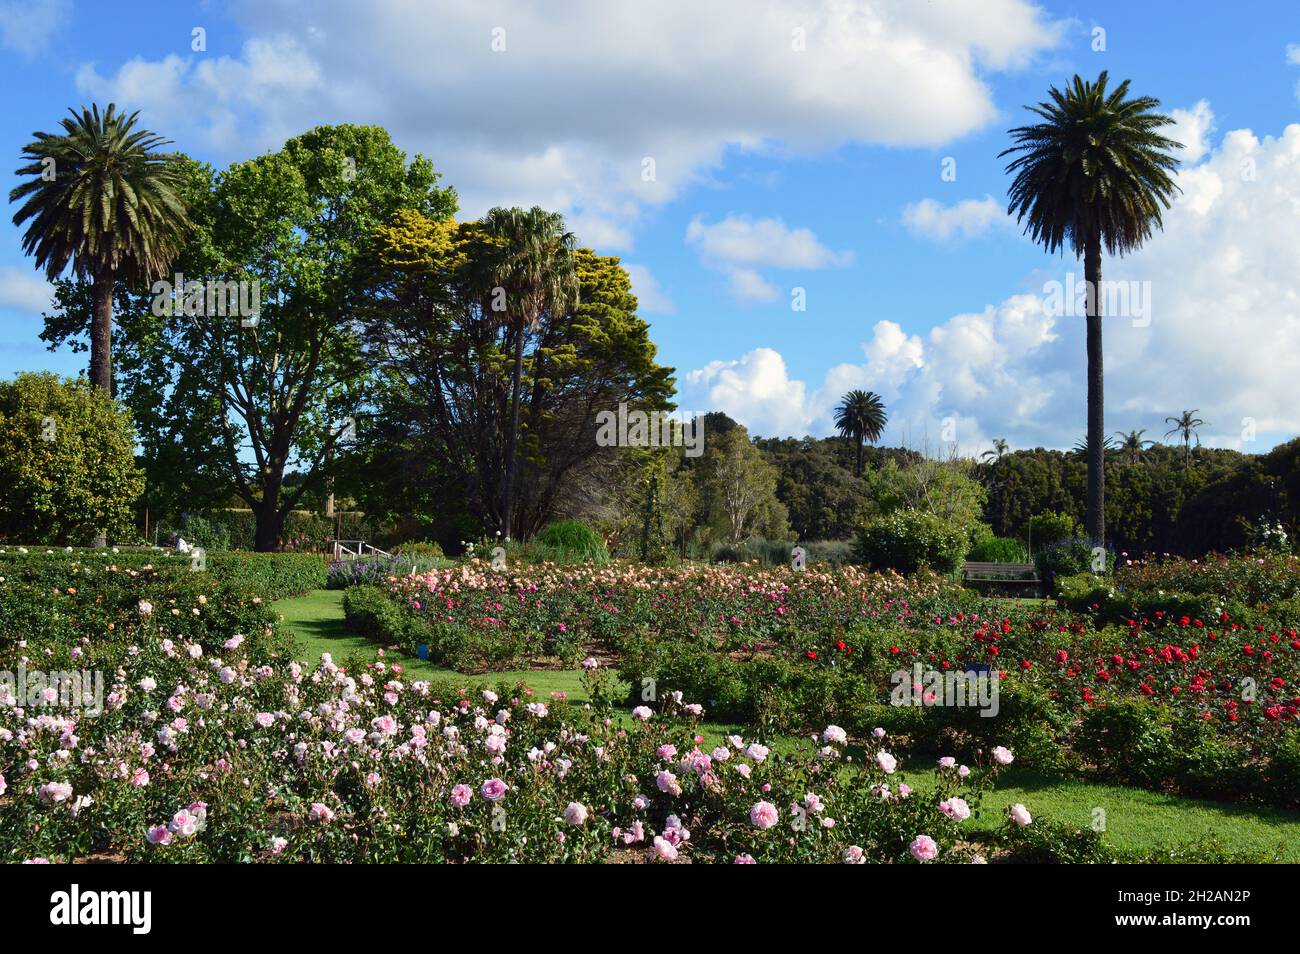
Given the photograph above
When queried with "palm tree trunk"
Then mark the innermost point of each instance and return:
(858, 470)
(508, 488)
(101, 332)
(101, 349)
(1096, 509)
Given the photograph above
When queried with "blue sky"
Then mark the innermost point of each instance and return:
(776, 168)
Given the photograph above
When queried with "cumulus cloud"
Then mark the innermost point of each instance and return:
(1192, 127)
(22, 289)
(26, 26)
(968, 218)
(739, 245)
(755, 390)
(594, 108)
(649, 296)
(1222, 333)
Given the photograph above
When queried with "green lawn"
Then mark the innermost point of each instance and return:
(1134, 818)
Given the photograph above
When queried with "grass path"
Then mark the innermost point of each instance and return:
(1135, 818)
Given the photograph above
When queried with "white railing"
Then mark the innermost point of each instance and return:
(342, 550)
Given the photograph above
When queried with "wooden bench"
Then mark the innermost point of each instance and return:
(1012, 576)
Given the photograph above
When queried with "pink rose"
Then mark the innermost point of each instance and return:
(763, 815)
(924, 848)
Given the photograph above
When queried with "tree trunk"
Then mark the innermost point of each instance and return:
(270, 526)
(1096, 510)
(508, 484)
(101, 348)
(270, 519)
(101, 332)
(858, 466)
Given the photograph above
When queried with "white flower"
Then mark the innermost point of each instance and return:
(1020, 815)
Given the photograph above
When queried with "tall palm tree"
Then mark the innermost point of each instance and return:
(101, 197)
(537, 270)
(861, 417)
(999, 450)
(994, 457)
(1094, 173)
(1185, 426)
(1081, 446)
(1132, 446)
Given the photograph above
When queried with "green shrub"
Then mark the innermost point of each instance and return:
(1053, 843)
(1029, 721)
(200, 532)
(1052, 527)
(429, 549)
(1284, 769)
(569, 541)
(267, 576)
(1129, 740)
(273, 576)
(304, 530)
(1207, 765)
(372, 612)
(910, 540)
(67, 462)
(1067, 557)
(998, 550)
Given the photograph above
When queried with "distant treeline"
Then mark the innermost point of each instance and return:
(1157, 500)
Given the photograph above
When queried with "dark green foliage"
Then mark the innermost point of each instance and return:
(909, 540)
(67, 464)
(569, 541)
(998, 550)
(654, 549)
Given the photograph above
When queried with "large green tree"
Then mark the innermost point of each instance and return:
(739, 489)
(535, 268)
(101, 197)
(250, 407)
(446, 361)
(1094, 173)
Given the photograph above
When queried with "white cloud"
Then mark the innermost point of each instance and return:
(584, 92)
(968, 218)
(750, 288)
(1192, 128)
(739, 245)
(755, 390)
(22, 289)
(742, 241)
(649, 296)
(26, 26)
(1223, 333)
(1293, 54)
